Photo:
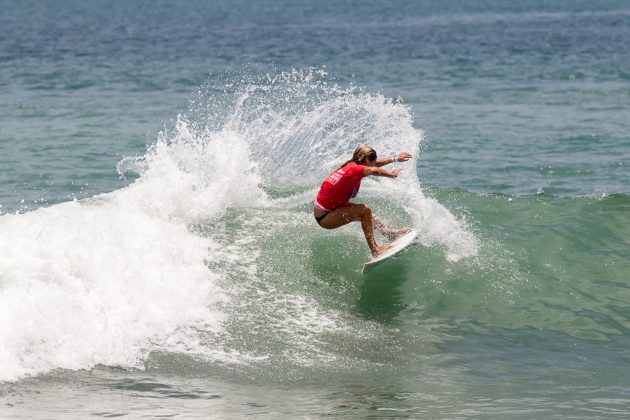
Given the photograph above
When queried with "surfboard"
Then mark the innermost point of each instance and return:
(397, 246)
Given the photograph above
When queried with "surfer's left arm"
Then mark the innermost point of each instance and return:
(373, 170)
(400, 157)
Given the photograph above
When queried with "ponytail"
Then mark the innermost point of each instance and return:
(361, 155)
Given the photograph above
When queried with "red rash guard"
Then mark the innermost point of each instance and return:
(340, 186)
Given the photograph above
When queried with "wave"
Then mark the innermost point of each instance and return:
(179, 260)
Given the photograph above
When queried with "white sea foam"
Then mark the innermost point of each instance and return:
(106, 280)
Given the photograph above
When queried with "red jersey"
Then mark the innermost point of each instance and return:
(341, 186)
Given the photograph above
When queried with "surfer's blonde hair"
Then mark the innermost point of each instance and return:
(361, 155)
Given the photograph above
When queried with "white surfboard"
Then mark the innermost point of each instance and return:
(398, 245)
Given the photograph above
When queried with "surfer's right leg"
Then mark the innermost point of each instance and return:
(388, 231)
(355, 212)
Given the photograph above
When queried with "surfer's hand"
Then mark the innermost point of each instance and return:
(403, 157)
(395, 172)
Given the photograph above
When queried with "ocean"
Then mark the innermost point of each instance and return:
(158, 166)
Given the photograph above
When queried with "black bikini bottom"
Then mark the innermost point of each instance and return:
(320, 218)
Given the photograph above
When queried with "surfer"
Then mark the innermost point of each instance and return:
(333, 208)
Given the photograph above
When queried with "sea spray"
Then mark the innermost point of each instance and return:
(300, 126)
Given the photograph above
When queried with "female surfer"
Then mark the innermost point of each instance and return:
(333, 207)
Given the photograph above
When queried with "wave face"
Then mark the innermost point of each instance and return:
(213, 235)
(545, 263)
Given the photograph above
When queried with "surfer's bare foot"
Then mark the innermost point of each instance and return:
(379, 250)
(395, 233)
